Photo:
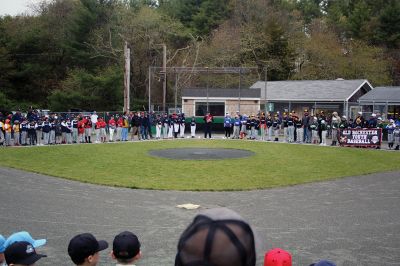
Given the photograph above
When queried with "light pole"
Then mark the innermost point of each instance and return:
(165, 75)
(265, 89)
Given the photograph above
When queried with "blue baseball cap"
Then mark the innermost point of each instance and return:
(26, 237)
(2, 247)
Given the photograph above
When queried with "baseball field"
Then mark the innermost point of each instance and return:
(130, 164)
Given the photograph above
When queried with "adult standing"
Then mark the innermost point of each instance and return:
(135, 125)
(94, 118)
(306, 121)
(208, 120)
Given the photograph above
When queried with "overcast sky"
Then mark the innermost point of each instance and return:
(15, 7)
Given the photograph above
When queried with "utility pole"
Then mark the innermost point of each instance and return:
(165, 76)
(176, 91)
(149, 89)
(208, 108)
(127, 77)
(240, 87)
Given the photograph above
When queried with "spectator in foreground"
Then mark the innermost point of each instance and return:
(217, 237)
(84, 249)
(126, 249)
(277, 257)
(2, 248)
(22, 254)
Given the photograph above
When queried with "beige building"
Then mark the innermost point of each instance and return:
(197, 101)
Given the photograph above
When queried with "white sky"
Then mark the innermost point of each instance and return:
(15, 7)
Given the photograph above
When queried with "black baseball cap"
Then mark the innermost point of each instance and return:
(21, 253)
(126, 245)
(217, 237)
(84, 245)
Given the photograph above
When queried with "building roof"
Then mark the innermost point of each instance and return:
(381, 95)
(220, 93)
(311, 90)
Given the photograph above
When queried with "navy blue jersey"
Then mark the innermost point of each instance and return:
(290, 122)
(46, 126)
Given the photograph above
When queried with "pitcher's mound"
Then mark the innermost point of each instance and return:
(201, 153)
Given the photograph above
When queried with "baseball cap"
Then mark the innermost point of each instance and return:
(83, 245)
(2, 241)
(217, 237)
(21, 253)
(24, 236)
(277, 257)
(323, 263)
(126, 245)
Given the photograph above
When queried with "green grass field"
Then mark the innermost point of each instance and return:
(129, 165)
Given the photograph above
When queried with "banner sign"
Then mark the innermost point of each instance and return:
(360, 137)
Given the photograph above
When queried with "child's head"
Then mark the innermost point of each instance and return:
(126, 248)
(84, 249)
(21, 253)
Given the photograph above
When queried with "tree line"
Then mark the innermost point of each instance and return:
(68, 54)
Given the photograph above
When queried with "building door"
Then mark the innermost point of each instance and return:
(354, 111)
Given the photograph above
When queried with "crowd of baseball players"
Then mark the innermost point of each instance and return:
(33, 128)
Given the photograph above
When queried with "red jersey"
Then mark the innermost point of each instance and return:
(112, 123)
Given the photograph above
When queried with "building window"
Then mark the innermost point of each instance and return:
(215, 108)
